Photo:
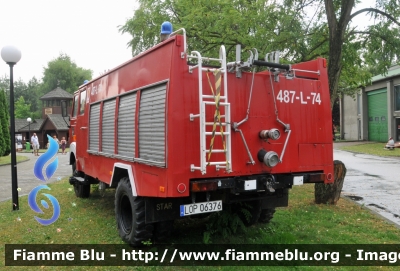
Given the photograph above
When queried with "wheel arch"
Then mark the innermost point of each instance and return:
(121, 170)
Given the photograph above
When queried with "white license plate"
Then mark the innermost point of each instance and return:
(201, 208)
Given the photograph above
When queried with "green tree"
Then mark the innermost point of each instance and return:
(5, 140)
(32, 95)
(350, 48)
(30, 92)
(5, 87)
(20, 88)
(301, 29)
(63, 72)
(208, 24)
(22, 110)
(2, 141)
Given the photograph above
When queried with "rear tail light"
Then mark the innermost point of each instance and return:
(202, 186)
(317, 178)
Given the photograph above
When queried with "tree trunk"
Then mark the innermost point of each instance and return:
(330, 193)
(337, 30)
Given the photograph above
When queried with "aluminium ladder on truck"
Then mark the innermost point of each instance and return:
(217, 98)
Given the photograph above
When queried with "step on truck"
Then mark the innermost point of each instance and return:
(180, 134)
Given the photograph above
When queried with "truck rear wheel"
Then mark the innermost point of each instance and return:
(130, 215)
(249, 211)
(266, 215)
(163, 230)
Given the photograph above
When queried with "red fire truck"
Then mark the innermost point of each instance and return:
(179, 134)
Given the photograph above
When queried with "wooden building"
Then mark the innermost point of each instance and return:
(51, 123)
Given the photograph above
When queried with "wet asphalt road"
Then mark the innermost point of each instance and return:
(25, 177)
(373, 182)
(370, 180)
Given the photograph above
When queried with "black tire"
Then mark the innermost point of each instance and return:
(266, 215)
(75, 172)
(82, 190)
(163, 230)
(74, 169)
(249, 211)
(130, 215)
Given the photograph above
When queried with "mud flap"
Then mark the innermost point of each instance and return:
(163, 209)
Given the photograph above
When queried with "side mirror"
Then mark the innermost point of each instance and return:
(64, 109)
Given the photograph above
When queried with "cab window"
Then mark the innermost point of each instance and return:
(83, 102)
(76, 104)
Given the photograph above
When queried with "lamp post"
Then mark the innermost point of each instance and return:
(29, 120)
(11, 55)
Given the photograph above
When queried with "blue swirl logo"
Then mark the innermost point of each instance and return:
(42, 160)
(32, 203)
(44, 173)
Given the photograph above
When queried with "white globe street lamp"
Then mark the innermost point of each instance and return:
(11, 55)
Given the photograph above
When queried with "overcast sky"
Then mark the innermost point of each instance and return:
(86, 30)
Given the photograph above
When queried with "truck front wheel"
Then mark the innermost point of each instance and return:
(73, 168)
(130, 215)
(81, 190)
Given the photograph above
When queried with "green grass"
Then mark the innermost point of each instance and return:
(5, 160)
(373, 149)
(92, 221)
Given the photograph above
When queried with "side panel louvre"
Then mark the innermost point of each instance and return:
(126, 125)
(94, 121)
(152, 124)
(107, 131)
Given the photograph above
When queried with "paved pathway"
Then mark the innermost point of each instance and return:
(25, 177)
(373, 182)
